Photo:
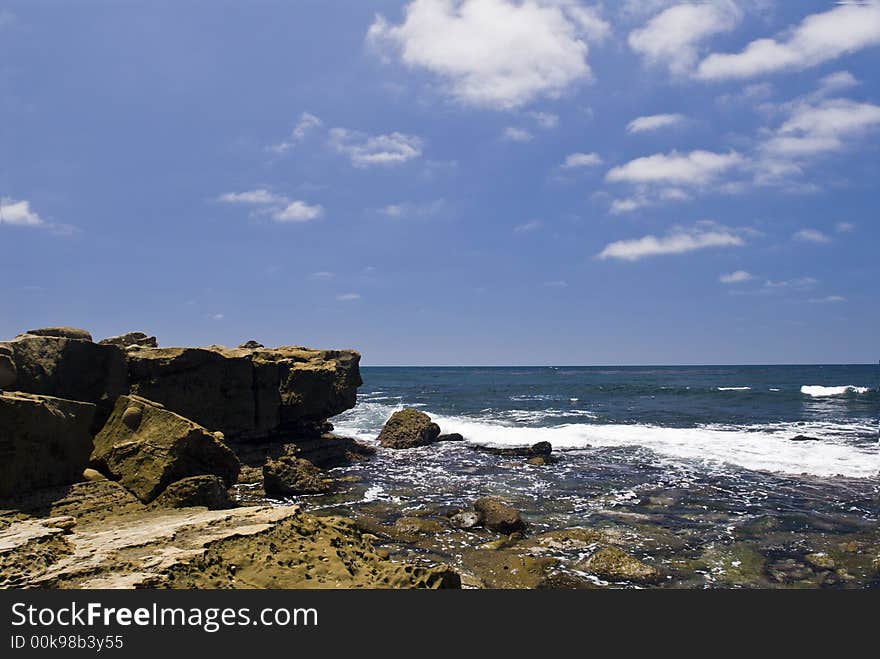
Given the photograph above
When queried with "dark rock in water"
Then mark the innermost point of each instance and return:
(252, 345)
(162, 448)
(248, 394)
(613, 564)
(408, 428)
(805, 438)
(541, 449)
(466, 519)
(289, 475)
(44, 441)
(506, 569)
(62, 333)
(417, 526)
(207, 491)
(8, 372)
(131, 339)
(324, 451)
(788, 570)
(498, 516)
(71, 368)
(450, 437)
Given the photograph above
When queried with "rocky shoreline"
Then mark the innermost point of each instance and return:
(129, 465)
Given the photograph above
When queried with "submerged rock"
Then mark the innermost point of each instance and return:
(131, 339)
(248, 394)
(289, 475)
(804, 438)
(162, 447)
(503, 568)
(417, 526)
(451, 437)
(541, 449)
(498, 516)
(613, 564)
(44, 441)
(408, 428)
(207, 491)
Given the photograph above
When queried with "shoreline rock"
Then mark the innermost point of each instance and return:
(408, 428)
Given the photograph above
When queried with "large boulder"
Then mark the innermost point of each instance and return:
(408, 428)
(289, 475)
(147, 447)
(498, 516)
(207, 491)
(138, 339)
(44, 441)
(68, 367)
(248, 393)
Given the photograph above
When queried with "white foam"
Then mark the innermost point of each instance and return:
(734, 388)
(817, 391)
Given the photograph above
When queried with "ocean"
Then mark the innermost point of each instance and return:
(706, 453)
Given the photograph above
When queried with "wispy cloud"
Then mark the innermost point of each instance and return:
(528, 227)
(500, 54)
(322, 275)
(278, 207)
(680, 240)
(514, 134)
(576, 160)
(413, 209)
(307, 123)
(811, 236)
(348, 297)
(653, 122)
(828, 299)
(738, 277)
(844, 227)
(847, 28)
(376, 150)
(798, 284)
(545, 120)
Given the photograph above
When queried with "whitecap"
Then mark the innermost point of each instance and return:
(734, 388)
(817, 391)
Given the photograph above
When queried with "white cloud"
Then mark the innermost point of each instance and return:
(495, 53)
(576, 160)
(259, 196)
(844, 227)
(298, 211)
(828, 299)
(18, 213)
(513, 134)
(737, 277)
(528, 227)
(406, 209)
(369, 150)
(323, 274)
(217, 316)
(836, 81)
(816, 128)
(680, 240)
(647, 198)
(545, 120)
(348, 297)
(694, 168)
(811, 236)
(844, 29)
(620, 206)
(673, 37)
(306, 123)
(653, 122)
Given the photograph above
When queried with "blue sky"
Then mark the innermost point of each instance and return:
(447, 181)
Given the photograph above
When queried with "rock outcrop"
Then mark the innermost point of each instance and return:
(129, 339)
(408, 428)
(614, 564)
(208, 491)
(64, 363)
(8, 371)
(44, 441)
(289, 475)
(498, 516)
(147, 447)
(248, 393)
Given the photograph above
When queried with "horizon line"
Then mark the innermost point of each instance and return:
(654, 365)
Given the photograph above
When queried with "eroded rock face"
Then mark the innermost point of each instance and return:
(408, 428)
(44, 441)
(289, 475)
(498, 516)
(62, 333)
(131, 339)
(8, 372)
(70, 367)
(147, 447)
(248, 393)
